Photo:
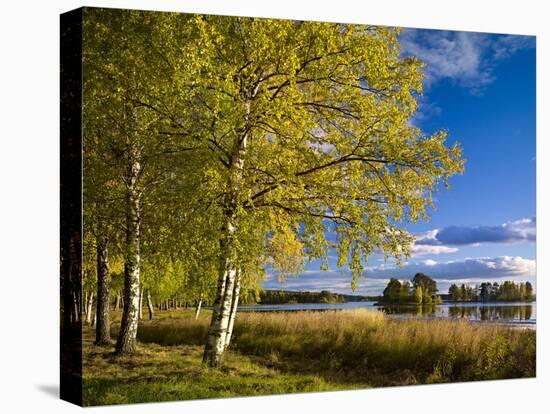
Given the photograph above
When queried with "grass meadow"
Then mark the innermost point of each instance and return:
(292, 352)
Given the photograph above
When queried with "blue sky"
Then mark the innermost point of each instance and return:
(480, 88)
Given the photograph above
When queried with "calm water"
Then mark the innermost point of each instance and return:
(516, 313)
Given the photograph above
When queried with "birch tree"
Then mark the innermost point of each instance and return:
(309, 124)
(102, 194)
(124, 73)
(301, 142)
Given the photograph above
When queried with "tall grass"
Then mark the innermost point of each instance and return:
(413, 350)
(364, 343)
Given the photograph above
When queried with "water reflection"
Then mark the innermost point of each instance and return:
(491, 313)
(506, 312)
(477, 311)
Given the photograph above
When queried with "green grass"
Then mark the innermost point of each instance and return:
(160, 373)
(275, 353)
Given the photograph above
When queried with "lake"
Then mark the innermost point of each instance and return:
(510, 313)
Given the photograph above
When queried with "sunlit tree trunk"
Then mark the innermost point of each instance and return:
(233, 313)
(140, 310)
(103, 325)
(213, 354)
(217, 332)
(126, 342)
(86, 307)
(117, 301)
(89, 307)
(150, 305)
(198, 307)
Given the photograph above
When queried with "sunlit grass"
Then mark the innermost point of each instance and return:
(304, 351)
(365, 341)
(167, 373)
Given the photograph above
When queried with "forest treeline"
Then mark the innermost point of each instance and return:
(263, 297)
(215, 148)
(507, 291)
(274, 297)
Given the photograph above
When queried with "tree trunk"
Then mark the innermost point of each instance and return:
(215, 345)
(234, 304)
(198, 308)
(86, 307)
(89, 308)
(117, 301)
(103, 325)
(150, 305)
(219, 325)
(126, 342)
(140, 312)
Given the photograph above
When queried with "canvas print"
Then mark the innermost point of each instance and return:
(254, 206)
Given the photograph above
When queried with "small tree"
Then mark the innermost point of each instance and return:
(428, 285)
(418, 296)
(455, 293)
(392, 291)
(485, 292)
(528, 291)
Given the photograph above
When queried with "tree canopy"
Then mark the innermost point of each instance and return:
(232, 144)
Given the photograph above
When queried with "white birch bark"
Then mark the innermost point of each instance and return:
(86, 307)
(233, 312)
(217, 332)
(150, 305)
(140, 309)
(198, 308)
(126, 342)
(89, 306)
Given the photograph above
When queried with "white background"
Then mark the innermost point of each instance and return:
(29, 206)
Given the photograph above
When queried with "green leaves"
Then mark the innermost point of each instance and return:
(326, 109)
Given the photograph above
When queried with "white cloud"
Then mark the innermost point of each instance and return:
(470, 268)
(505, 46)
(466, 58)
(424, 249)
(524, 230)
